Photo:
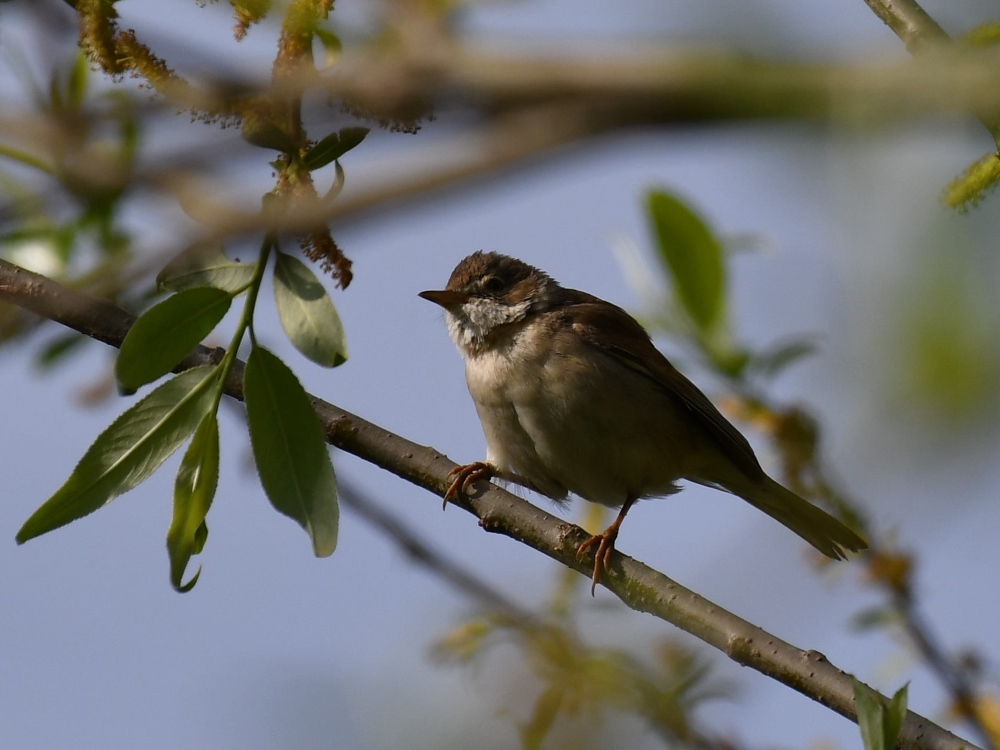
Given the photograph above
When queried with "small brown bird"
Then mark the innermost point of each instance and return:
(574, 397)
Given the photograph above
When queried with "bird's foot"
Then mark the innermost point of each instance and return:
(605, 542)
(462, 477)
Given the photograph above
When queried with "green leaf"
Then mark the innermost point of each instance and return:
(895, 715)
(194, 489)
(334, 146)
(880, 721)
(694, 258)
(128, 452)
(292, 458)
(332, 46)
(76, 86)
(725, 357)
(58, 349)
(874, 617)
(984, 35)
(337, 185)
(204, 264)
(307, 313)
(263, 129)
(870, 711)
(166, 333)
(351, 137)
(773, 361)
(543, 716)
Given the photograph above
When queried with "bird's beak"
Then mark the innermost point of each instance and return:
(445, 297)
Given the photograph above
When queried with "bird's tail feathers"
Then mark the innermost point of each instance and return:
(816, 526)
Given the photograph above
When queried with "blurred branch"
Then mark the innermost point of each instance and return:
(424, 554)
(527, 105)
(532, 105)
(632, 86)
(654, 691)
(506, 141)
(638, 586)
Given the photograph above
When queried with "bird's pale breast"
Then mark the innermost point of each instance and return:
(565, 416)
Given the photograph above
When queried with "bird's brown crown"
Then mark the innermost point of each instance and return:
(489, 274)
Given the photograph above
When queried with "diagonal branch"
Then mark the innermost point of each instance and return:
(910, 23)
(637, 585)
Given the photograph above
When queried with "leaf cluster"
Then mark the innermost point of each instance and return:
(288, 445)
(291, 456)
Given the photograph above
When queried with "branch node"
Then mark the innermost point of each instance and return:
(816, 657)
(741, 650)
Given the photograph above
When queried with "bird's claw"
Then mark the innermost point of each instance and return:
(462, 477)
(602, 557)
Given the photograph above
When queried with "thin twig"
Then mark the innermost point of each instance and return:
(506, 611)
(423, 553)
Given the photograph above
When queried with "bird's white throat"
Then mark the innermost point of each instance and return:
(471, 324)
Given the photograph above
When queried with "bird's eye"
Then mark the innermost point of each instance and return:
(492, 284)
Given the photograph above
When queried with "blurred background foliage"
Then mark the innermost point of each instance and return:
(947, 330)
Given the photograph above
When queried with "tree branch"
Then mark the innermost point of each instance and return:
(910, 23)
(638, 586)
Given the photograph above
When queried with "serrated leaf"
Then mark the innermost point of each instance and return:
(288, 447)
(307, 313)
(204, 264)
(870, 713)
(128, 452)
(694, 258)
(334, 146)
(194, 489)
(166, 333)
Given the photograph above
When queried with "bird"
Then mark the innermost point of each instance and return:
(573, 397)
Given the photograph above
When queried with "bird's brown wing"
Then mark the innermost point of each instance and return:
(615, 332)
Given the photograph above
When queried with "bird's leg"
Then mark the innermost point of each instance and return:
(461, 477)
(605, 542)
